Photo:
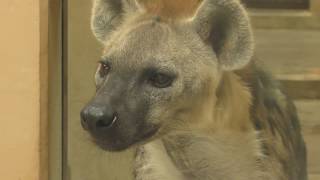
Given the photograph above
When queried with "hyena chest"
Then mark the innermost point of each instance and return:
(161, 160)
(153, 163)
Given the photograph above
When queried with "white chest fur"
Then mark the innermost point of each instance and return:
(153, 163)
(221, 158)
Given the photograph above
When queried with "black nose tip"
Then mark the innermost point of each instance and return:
(97, 117)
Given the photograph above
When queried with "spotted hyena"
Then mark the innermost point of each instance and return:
(181, 85)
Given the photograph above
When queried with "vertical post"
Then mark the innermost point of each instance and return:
(55, 89)
(43, 73)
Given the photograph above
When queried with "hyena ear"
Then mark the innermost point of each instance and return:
(224, 25)
(107, 15)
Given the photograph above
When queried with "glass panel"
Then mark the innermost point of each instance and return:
(85, 161)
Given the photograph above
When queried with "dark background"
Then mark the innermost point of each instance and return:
(278, 4)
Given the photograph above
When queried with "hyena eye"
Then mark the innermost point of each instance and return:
(161, 80)
(104, 68)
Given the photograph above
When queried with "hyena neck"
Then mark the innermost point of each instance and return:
(152, 162)
(226, 147)
(226, 108)
(232, 107)
(199, 157)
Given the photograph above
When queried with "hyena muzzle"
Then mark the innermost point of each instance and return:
(182, 87)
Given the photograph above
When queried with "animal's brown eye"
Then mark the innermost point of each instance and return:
(161, 80)
(104, 68)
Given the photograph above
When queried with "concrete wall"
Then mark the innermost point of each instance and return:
(19, 90)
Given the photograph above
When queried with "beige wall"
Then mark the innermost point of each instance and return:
(19, 89)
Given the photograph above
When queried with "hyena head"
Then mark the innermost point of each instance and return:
(159, 74)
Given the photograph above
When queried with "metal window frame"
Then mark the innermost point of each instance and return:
(55, 108)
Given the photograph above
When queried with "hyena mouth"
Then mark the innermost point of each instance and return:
(151, 133)
(115, 137)
(109, 124)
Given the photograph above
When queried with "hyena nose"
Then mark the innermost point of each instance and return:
(97, 117)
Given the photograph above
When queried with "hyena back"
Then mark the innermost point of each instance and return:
(185, 91)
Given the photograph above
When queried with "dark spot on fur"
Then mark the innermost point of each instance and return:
(157, 19)
(265, 149)
(258, 125)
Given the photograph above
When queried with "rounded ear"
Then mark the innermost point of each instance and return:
(107, 15)
(224, 25)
